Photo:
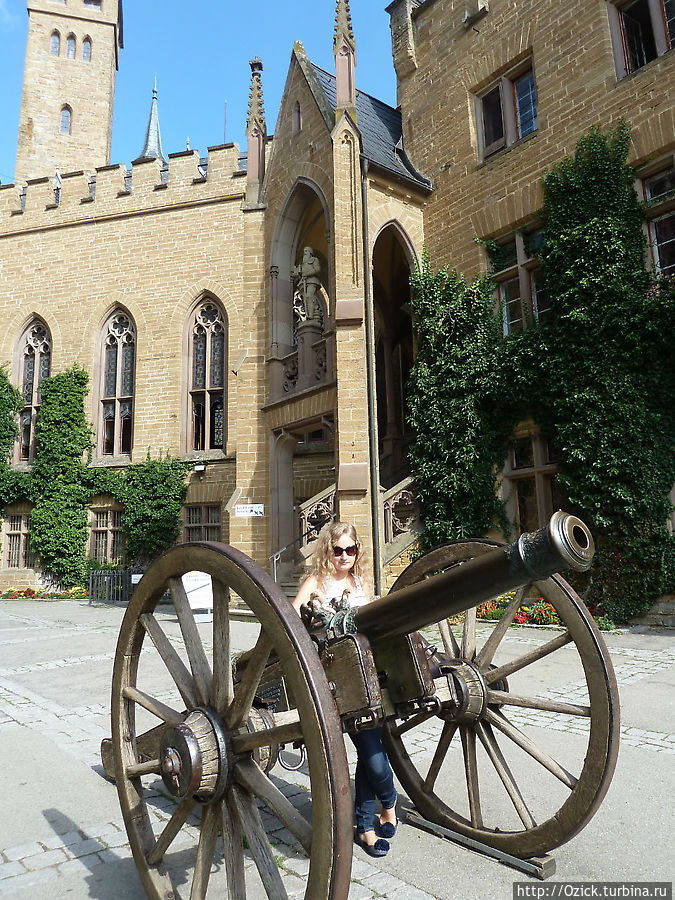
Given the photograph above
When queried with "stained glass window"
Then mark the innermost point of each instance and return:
(117, 408)
(208, 368)
(37, 355)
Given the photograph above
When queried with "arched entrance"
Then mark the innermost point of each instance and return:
(392, 262)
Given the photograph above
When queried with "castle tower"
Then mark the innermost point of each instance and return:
(344, 48)
(72, 55)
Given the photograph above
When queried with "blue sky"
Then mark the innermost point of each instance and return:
(201, 60)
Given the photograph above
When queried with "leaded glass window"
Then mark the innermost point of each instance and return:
(18, 554)
(207, 373)
(107, 538)
(36, 364)
(202, 523)
(117, 401)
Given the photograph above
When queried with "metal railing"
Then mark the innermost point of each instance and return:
(109, 586)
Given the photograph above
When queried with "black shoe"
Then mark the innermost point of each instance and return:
(387, 830)
(378, 849)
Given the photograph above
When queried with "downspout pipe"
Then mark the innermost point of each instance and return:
(370, 383)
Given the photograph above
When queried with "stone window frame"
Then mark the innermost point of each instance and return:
(106, 535)
(71, 46)
(55, 43)
(199, 432)
(86, 49)
(533, 472)
(66, 120)
(297, 117)
(519, 282)
(35, 358)
(659, 208)
(661, 16)
(116, 410)
(18, 553)
(202, 522)
(503, 88)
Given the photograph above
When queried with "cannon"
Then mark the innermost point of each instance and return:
(470, 722)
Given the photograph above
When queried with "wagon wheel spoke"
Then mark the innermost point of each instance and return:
(486, 655)
(233, 850)
(171, 830)
(245, 690)
(156, 707)
(449, 640)
(468, 736)
(201, 670)
(205, 850)
(525, 743)
(469, 634)
(508, 699)
(412, 722)
(221, 686)
(449, 729)
(249, 775)
(527, 658)
(175, 665)
(284, 733)
(488, 740)
(252, 826)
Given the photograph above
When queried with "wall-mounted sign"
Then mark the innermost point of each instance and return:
(249, 510)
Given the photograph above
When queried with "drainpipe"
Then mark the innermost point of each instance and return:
(370, 373)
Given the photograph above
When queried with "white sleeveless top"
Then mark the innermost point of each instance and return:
(334, 589)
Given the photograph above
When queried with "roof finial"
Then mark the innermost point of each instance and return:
(343, 25)
(256, 107)
(152, 148)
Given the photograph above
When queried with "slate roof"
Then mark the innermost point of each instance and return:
(381, 131)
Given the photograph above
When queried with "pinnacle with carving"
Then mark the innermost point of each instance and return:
(343, 24)
(256, 107)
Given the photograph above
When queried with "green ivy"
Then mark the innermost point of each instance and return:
(62, 483)
(598, 377)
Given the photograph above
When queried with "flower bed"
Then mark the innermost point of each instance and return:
(537, 612)
(76, 593)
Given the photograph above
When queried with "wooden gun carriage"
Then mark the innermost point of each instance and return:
(469, 727)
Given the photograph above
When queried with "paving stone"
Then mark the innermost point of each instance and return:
(44, 860)
(7, 870)
(22, 850)
(384, 883)
(11, 886)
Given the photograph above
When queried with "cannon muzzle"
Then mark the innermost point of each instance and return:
(565, 543)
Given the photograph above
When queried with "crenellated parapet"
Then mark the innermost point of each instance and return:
(117, 190)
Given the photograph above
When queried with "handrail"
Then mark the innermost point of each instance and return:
(275, 557)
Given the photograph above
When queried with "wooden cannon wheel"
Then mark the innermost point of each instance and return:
(207, 746)
(507, 761)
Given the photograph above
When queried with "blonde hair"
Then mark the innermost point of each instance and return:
(322, 557)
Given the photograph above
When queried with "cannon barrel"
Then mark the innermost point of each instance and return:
(564, 543)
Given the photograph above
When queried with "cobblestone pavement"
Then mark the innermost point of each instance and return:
(55, 666)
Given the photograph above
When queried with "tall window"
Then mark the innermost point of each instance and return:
(521, 289)
(642, 30)
(70, 46)
(35, 366)
(86, 50)
(507, 110)
(207, 378)
(117, 403)
(107, 537)
(66, 120)
(17, 531)
(533, 493)
(659, 193)
(55, 44)
(201, 523)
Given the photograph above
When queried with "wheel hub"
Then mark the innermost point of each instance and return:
(471, 691)
(193, 757)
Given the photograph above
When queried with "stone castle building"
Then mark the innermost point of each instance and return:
(249, 310)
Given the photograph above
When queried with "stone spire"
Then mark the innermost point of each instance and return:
(344, 48)
(152, 148)
(256, 133)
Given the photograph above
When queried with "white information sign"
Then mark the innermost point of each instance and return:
(249, 510)
(200, 595)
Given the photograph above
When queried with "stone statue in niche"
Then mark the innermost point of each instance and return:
(306, 275)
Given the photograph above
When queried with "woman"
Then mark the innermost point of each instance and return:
(337, 574)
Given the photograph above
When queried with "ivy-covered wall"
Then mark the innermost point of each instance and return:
(62, 481)
(598, 378)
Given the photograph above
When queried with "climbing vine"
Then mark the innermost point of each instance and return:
(62, 482)
(598, 377)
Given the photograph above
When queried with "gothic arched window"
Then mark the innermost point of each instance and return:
(70, 46)
(36, 360)
(55, 44)
(86, 49)
(208, 352)
(117, 394)
(66, 120)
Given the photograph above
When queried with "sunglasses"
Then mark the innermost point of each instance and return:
(350, 551)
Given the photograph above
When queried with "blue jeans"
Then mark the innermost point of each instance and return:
(373, 777)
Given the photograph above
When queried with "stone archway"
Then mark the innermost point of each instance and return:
(393, 350)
